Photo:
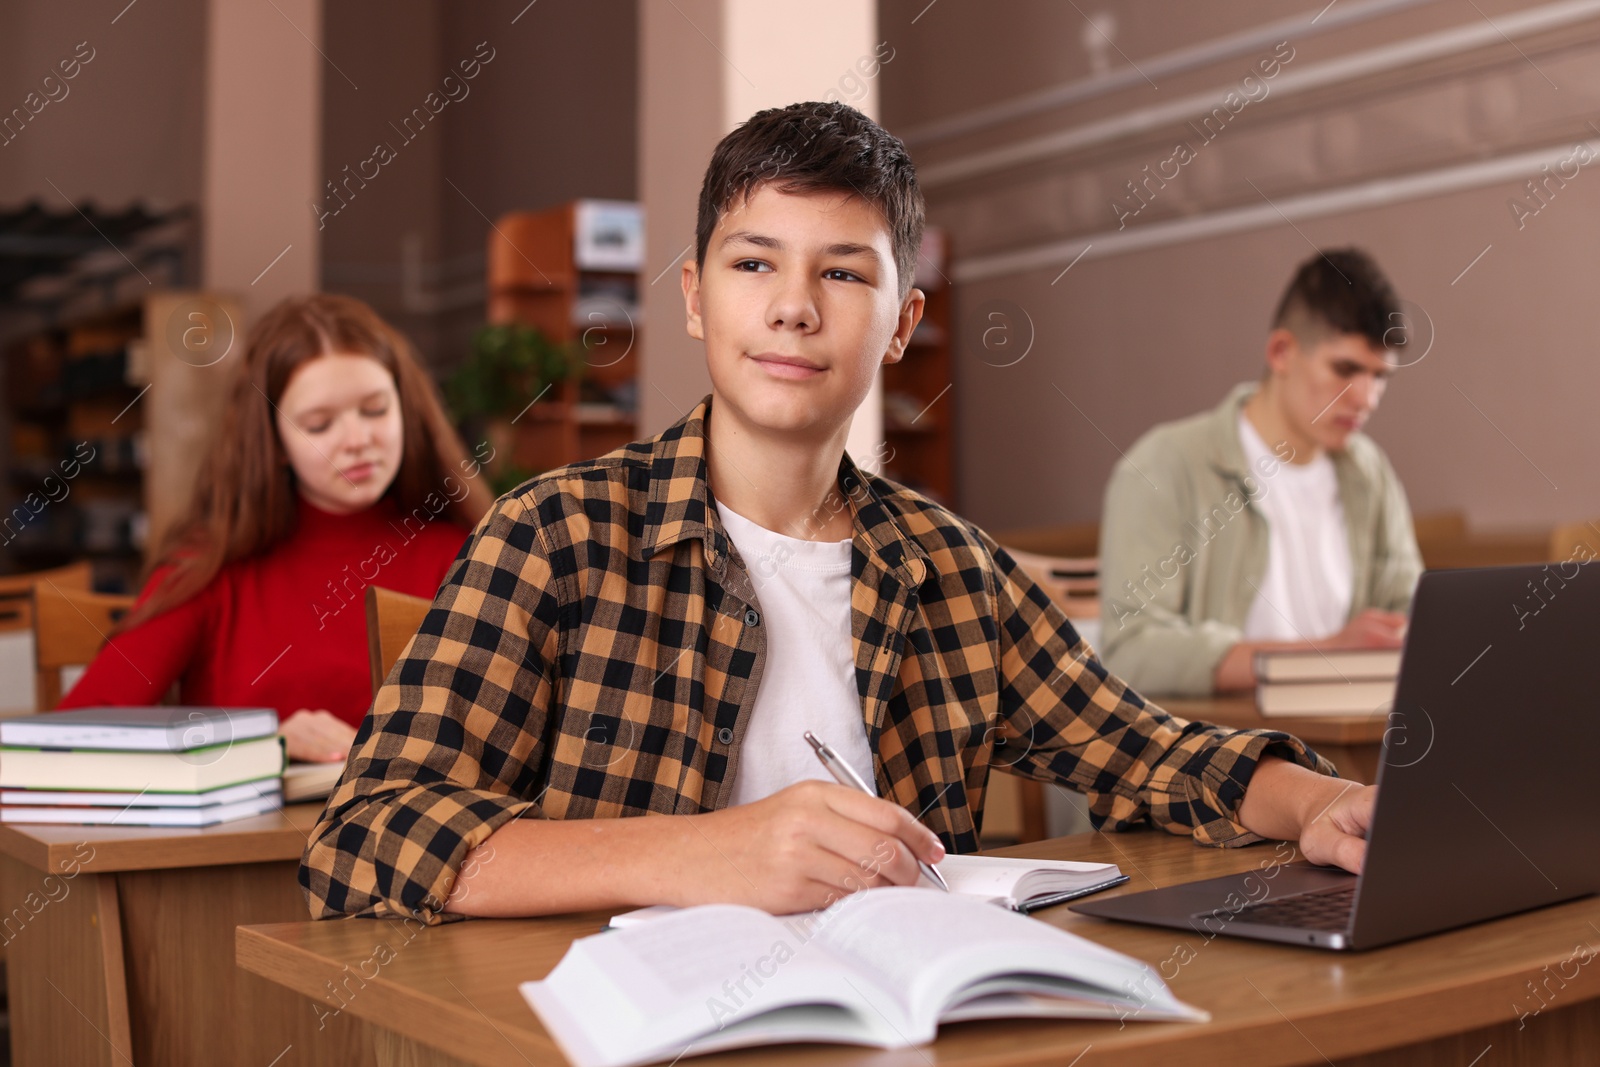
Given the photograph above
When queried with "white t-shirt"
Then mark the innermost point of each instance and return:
(1305, 593)
(809, 679)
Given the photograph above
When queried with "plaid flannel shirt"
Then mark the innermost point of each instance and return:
(595, 651)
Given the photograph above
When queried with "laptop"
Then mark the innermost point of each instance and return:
(1486, 785)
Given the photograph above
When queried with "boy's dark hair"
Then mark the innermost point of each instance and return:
(812, 147)
(1340, 292)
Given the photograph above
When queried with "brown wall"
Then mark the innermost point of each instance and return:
(550, 118)
(1138, 338)
(92, 143)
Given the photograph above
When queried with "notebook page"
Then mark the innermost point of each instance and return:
(998, 877)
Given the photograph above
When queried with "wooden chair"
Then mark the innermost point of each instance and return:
(392, 621)
(1062, 560)
(1440, 536)
(1013, 810)
(1575, 541)
(16, 609)
(1438, 526)
(69, 628)
(78, 576)
(1072, 582)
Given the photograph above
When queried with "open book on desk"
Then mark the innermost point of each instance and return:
(882, 968)
(1019, 884)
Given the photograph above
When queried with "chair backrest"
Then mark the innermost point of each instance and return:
(79, 576)
(392, 621)
(1072, 540)
(1578, 541)
(1073, 583)
(69, 628)
(1439, 526)
(18, 672)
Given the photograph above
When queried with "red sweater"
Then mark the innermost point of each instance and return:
(285, 630)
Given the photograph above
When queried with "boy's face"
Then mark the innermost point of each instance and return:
(798, 305)
(1330, 389)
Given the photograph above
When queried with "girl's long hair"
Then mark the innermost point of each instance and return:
(245, 501)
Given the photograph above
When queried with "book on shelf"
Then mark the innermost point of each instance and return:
(882, 968)
(1332, 665)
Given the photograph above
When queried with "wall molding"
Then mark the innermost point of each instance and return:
(1290, 82)
(1356, 197)
(1178, 61)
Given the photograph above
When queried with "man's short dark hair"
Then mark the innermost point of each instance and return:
(1340, 292)
(814, 147)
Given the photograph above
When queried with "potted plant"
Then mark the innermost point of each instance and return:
(511, 367)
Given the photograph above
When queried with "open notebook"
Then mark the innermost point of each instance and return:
(883, 968)
(1019, 884)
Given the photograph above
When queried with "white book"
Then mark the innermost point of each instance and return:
(882, 968)
(1018, 884)
(94, 798)
(1324, 698)
(143, 729)
(195, 771)
(210, 815)
(1329, 665)
(1024, 884)
(310, 781)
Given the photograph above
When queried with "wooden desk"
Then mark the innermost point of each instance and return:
(448, 995)
(119, 944)
(1354, 743)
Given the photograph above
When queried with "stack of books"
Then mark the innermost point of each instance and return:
(1355, 681)
(159, 766)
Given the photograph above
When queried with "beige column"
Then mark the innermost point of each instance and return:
(262, 149)
(705, 67)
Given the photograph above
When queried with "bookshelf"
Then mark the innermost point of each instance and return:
(75, 456)
(109, 423)
(573, 273)
(918, 392)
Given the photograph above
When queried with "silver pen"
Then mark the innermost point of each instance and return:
(846, 775)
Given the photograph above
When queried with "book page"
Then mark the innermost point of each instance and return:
(1001, 877)
(933, 944)
(713, 976)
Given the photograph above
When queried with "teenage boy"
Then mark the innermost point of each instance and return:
(1270, 522)
(599, 648)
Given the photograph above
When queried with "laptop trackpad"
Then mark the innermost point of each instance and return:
(1209, 906)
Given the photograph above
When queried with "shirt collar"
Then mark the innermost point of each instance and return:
(1227, 450)
(680, 505)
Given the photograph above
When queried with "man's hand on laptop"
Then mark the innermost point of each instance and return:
(1329, 817)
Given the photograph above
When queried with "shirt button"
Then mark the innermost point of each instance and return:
(752, 617)
(725, 736)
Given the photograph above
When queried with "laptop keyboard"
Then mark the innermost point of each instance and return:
(1325, 909)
